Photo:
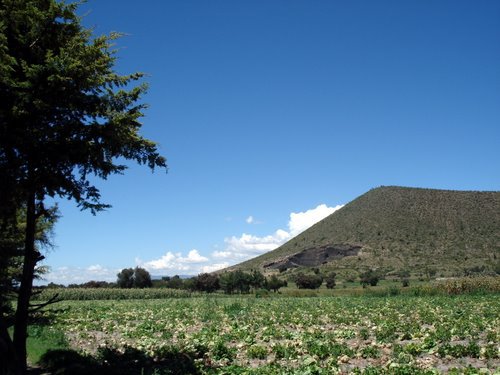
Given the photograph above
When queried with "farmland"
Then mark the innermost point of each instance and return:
(317, 335)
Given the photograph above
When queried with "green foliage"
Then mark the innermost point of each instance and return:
(206, 282)
(290, 335)
(134, 278)
(222, 351)
(42, 338)
(370, 352)
(95, 294)
(73, 115)
(174, 282)
(66, 117)
(305, 281)
(257, 352)
(369, 277)
(330, 280)
(239, 281)
(274, 283)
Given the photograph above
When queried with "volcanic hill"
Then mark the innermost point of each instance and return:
(398, 228)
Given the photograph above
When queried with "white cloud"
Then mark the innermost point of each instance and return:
(173, 262)
(301, 221)
(237, 249)
(77, 275)
(194, 257)
(214, 267)
(247, 246)
(222, 254)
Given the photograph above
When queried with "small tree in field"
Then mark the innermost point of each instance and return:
(369, 277)
(304, 281)
(274, 283)
(65, 117)
(227, 282)
(134, 278)
(125, 278)
(206, 282)
(330, 280)
(142, 278)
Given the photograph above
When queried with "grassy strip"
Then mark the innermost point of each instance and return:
(42, 339)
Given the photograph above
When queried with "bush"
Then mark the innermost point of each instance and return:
(330, 280)
(257, 352)
(206, 282)
(369, 277)
(274, 283)
(308, 281)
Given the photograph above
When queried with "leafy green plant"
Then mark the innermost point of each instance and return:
(257, 352)
(222, 351)
(370, 352)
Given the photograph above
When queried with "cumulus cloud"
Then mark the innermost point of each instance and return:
(300, 221)
(172, 262)
(236, 249)
(247, 246)
(77, 275)
(214, 267)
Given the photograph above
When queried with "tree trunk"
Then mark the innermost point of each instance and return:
(8, 358)
(25, 288)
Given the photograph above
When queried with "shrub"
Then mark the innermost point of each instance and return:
(221, 351)
(257, 352)
(308, 281)
(206, 282)
(330, 280)
(369, 277)
(274, 283)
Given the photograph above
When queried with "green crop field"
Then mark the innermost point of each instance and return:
(284, 335)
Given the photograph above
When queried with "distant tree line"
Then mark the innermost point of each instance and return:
(227, 282)
(246, 282)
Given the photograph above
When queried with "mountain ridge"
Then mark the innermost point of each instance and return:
(398, 228)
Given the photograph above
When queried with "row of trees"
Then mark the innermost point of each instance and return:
(66, 117)
(229, 282)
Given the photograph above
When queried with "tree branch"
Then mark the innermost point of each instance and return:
(52, 300)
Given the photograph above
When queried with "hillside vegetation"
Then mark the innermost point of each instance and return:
(391, 229)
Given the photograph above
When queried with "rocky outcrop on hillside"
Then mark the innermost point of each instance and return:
(314, 257)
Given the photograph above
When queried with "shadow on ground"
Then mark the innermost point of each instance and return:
(110, 361)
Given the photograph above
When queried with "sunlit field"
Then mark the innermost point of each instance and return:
(316, 335)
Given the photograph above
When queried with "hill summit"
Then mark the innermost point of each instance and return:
(394, 228)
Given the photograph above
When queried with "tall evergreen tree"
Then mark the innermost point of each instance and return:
(65, 116)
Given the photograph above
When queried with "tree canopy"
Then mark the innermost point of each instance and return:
(134, 278)
(66, 117)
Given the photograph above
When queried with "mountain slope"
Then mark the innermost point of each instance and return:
(394, 228)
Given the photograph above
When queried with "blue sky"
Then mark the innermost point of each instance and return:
(273, 113)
